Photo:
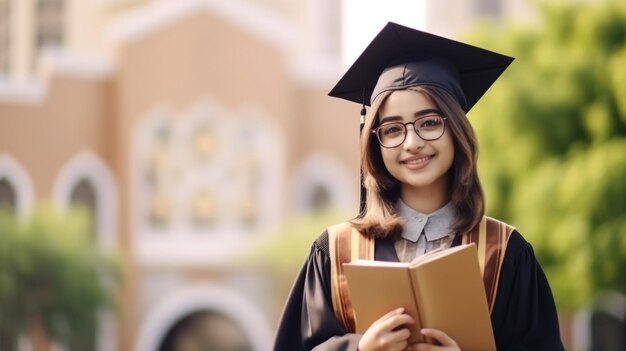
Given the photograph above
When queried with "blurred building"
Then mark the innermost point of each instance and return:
(450, 18)
(191, 129)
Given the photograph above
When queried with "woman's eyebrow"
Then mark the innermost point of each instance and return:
(390, 119)
(419, 113)
(426, 112)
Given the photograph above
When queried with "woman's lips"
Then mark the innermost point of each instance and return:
(415, 163)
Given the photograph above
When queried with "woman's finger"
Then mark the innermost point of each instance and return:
(388, 315)
(398, 336)
(395, 322)
(440, 336)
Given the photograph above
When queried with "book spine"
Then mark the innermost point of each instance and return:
(419, 319)
(419, 338)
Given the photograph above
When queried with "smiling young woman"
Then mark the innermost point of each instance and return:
(419, 157)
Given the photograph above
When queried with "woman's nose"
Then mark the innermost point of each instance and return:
(413, 141)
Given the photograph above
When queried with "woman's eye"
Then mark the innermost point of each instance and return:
(394, 129)
(430, 122)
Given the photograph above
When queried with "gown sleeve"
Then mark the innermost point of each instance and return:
(308, 321)
(524, 315)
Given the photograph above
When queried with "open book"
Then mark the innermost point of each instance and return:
(441, 289)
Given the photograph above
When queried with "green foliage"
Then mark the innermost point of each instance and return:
(285, 252)
(52, 274)
(553, 144)
(290, 244)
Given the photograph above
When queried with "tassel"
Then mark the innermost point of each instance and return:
(363, 113)
(363, 110)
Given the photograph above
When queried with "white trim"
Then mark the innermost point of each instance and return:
(54, 63)
(325, 170)
(204, 297)
(19, 178)
(156, 15)
(23, 91)
(60, 62)
(581, 333)
(89, 165)
(106, 4)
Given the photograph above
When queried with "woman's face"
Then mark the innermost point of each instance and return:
(418, 164)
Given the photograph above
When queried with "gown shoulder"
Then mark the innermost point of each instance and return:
(524, 316)
(308, 321)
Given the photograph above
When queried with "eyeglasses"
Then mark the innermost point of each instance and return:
(393, 134)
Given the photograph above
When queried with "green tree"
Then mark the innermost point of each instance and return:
(52, 279)
(553, 144)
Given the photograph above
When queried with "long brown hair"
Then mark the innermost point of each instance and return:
(380, 218)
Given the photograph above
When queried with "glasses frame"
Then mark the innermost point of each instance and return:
(406, 130)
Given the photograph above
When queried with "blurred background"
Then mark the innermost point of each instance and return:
(166, 164)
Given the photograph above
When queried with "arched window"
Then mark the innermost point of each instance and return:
(16, 190)
(8, 197)
(320, 198)
(5, 36)
(84, 195)
(219, 316)
(50, 18)
(205, 179)
(86, 180)
(206, 330)
(321, 182)
(601, 325)
(608, 331)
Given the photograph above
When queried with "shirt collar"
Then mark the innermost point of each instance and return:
(435, 226)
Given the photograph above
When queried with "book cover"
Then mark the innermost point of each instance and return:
(442, 289)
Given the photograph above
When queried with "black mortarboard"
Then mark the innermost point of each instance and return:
(400, 57)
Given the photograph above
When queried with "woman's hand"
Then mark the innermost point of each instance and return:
(388, 333)
(446, 342)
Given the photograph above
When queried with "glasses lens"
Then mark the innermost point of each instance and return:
(391, 134)
(430, 127)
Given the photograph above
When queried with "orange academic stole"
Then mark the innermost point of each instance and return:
(347, 244)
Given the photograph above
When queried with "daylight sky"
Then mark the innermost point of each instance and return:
(363, 19)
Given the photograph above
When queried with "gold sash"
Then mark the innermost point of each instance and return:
(491, 237)
(342, 238)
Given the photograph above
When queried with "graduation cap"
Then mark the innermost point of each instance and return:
(400, 57)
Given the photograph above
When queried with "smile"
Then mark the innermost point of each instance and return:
(417, 161)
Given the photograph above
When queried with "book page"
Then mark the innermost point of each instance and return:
(451, 297)
(372, 263)
(435, 254)
(377, 289)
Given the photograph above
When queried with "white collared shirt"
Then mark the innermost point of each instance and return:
(424, 232)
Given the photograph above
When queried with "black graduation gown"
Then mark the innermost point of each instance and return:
(524, 315)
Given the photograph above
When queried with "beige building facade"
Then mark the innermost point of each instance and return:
(193, 138)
